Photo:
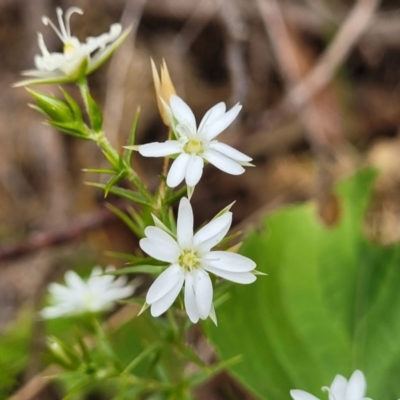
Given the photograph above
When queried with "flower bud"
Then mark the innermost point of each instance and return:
(164, 89)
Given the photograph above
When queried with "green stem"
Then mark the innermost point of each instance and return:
(139, 358)
(114, 157)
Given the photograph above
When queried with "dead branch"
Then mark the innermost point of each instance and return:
(348, 35)
(66, 234)
(118, 71)
(237, 37)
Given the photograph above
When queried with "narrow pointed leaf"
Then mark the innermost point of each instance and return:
(125, 218)
(113, 181)
(139, 269)
(132, 137)
(124, 193)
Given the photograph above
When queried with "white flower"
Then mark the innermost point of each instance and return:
(76, 59)
(193, 145)
(78, 296)
(191, 259)
(341, 389)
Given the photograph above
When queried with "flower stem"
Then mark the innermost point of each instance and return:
(112, 155)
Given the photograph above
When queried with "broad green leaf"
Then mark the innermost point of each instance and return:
(329, 305)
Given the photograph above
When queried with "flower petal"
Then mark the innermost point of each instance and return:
(302, 395)
(223, 162)
(230, 152)
(159, 245)
(212, 115)
(162, 305)
(166, 282)
(203, 292)
(338, 388)
(190, 298)
(178, 170)
(59, 292)
(194, 170)
(212, 233)
(228, 261)
(54, 311)
(356, 387)
(185, 224)
(210, 131)
(158, 149)
(103, 55)
(238, 277)
(182, 112)
(74, 281)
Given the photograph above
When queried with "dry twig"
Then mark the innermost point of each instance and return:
(66, 234)
(348, 35)
(118, 71)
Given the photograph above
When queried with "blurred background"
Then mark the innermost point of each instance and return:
(319, 81)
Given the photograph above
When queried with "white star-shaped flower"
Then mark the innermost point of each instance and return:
(340, 389)
(99, 292)
(191, 259)
(77, 58)
(193, 145)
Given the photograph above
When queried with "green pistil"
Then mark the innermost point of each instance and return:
(193, 146)
(188, 260)
(69, 48)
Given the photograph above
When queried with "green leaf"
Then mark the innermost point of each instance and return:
(107, 171)
(113, 181)
(329, 305)
(15, 342)
(138, 269)
(132, 136)
(126, 219)
(174, 197)
(121, 192)
(133, 259)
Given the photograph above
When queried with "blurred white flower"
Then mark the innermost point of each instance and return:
(191, 259)
(340, 389)
(194, 146)
(97, 293)
(76, 60)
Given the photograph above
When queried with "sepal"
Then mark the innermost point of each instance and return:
(52, 107)
(64, 354)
